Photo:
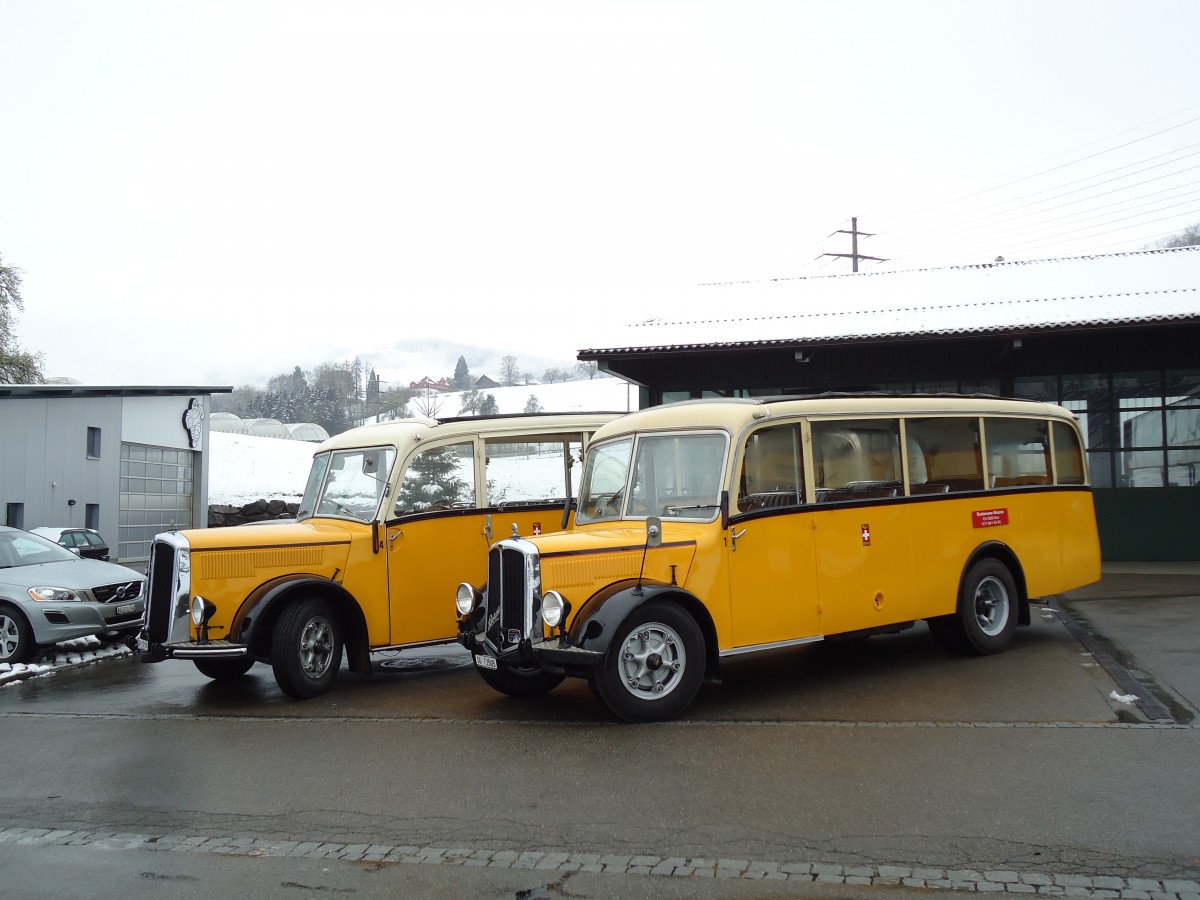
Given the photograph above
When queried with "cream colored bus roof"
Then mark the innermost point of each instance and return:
(404, 433)
(734, 414)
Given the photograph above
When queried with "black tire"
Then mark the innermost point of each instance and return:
(655, 665)
(224, 669)
(986, 618)
(530, 682)
(306, 648)
(16, 637)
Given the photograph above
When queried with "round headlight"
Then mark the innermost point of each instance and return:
(202, 610)
(554, 608)
(464, 599)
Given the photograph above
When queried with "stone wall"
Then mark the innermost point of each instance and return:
(258, 511)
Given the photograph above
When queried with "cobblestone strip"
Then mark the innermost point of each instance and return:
(979, 881)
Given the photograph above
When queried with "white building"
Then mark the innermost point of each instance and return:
(128, 461)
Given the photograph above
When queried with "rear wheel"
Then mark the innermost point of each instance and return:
(16, 638)
(654, 667)
(224, 669)
(525, 682)
(986, 617)
(306, 648)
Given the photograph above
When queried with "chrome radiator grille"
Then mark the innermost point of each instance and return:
(512, 585)
(160, 600)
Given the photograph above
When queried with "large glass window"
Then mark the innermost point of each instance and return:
(1068, 455)
(439, 478)
(943, 455)
(531, 471)
(772, 469)
(1018, 451)
(675, 475)
(604, 477)
(856, 459)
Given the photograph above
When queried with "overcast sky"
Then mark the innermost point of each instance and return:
(211, 192)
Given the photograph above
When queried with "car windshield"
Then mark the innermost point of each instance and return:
(670, 475)
(20, 548)
(347, 484)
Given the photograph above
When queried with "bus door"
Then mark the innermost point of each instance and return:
(863, 537)
(771, 548)
(434, 539)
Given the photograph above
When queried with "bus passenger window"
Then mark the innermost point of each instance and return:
(772, 469)
(943, 455)
(1068, 457)
(1018, 452)
(856, 459)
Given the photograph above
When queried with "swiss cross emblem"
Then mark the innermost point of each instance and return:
(537, 528)
(866, 535)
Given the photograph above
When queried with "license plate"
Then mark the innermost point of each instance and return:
(485, 662)
(126, 608)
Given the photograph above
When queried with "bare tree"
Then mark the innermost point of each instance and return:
(588, 367)
(16, 366)
(509, 373)
(428, 403)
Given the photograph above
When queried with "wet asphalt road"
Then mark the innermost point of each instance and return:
(886, 754)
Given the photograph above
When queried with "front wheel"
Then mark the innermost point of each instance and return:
(654, 667)
(306, 648)
(16, 640)
(224, 669)
(525, 682)
(986, 617)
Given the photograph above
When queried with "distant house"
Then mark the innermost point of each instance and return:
(482, 383)
(428, 384)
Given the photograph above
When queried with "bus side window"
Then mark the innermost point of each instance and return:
(1068, 456)
(1018, 452)
(856, 459)
(772, 469)
(943, 455)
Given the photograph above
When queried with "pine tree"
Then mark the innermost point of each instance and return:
(462, 375)
(433, 479)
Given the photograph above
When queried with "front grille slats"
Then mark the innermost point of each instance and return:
(120, 592)
(508, 595)
(160, 599)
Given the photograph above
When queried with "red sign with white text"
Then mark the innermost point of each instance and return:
(987, 518)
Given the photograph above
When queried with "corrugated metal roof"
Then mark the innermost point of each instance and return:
(1007, 297)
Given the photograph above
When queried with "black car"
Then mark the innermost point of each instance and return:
(84, 541)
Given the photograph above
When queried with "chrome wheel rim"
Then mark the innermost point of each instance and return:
(316, 647)
(991, 605)
(10, 637)
(651, 661)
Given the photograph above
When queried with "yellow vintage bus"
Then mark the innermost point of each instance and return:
(711, 528)
(390, 515)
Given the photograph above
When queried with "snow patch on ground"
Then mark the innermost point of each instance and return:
(67, 655)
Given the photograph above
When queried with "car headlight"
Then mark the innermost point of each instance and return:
(554, 608)
(202, 610)
(464, 599)
(53, 594)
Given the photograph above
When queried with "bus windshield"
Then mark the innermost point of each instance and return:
(347, 484)
(675, 475)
